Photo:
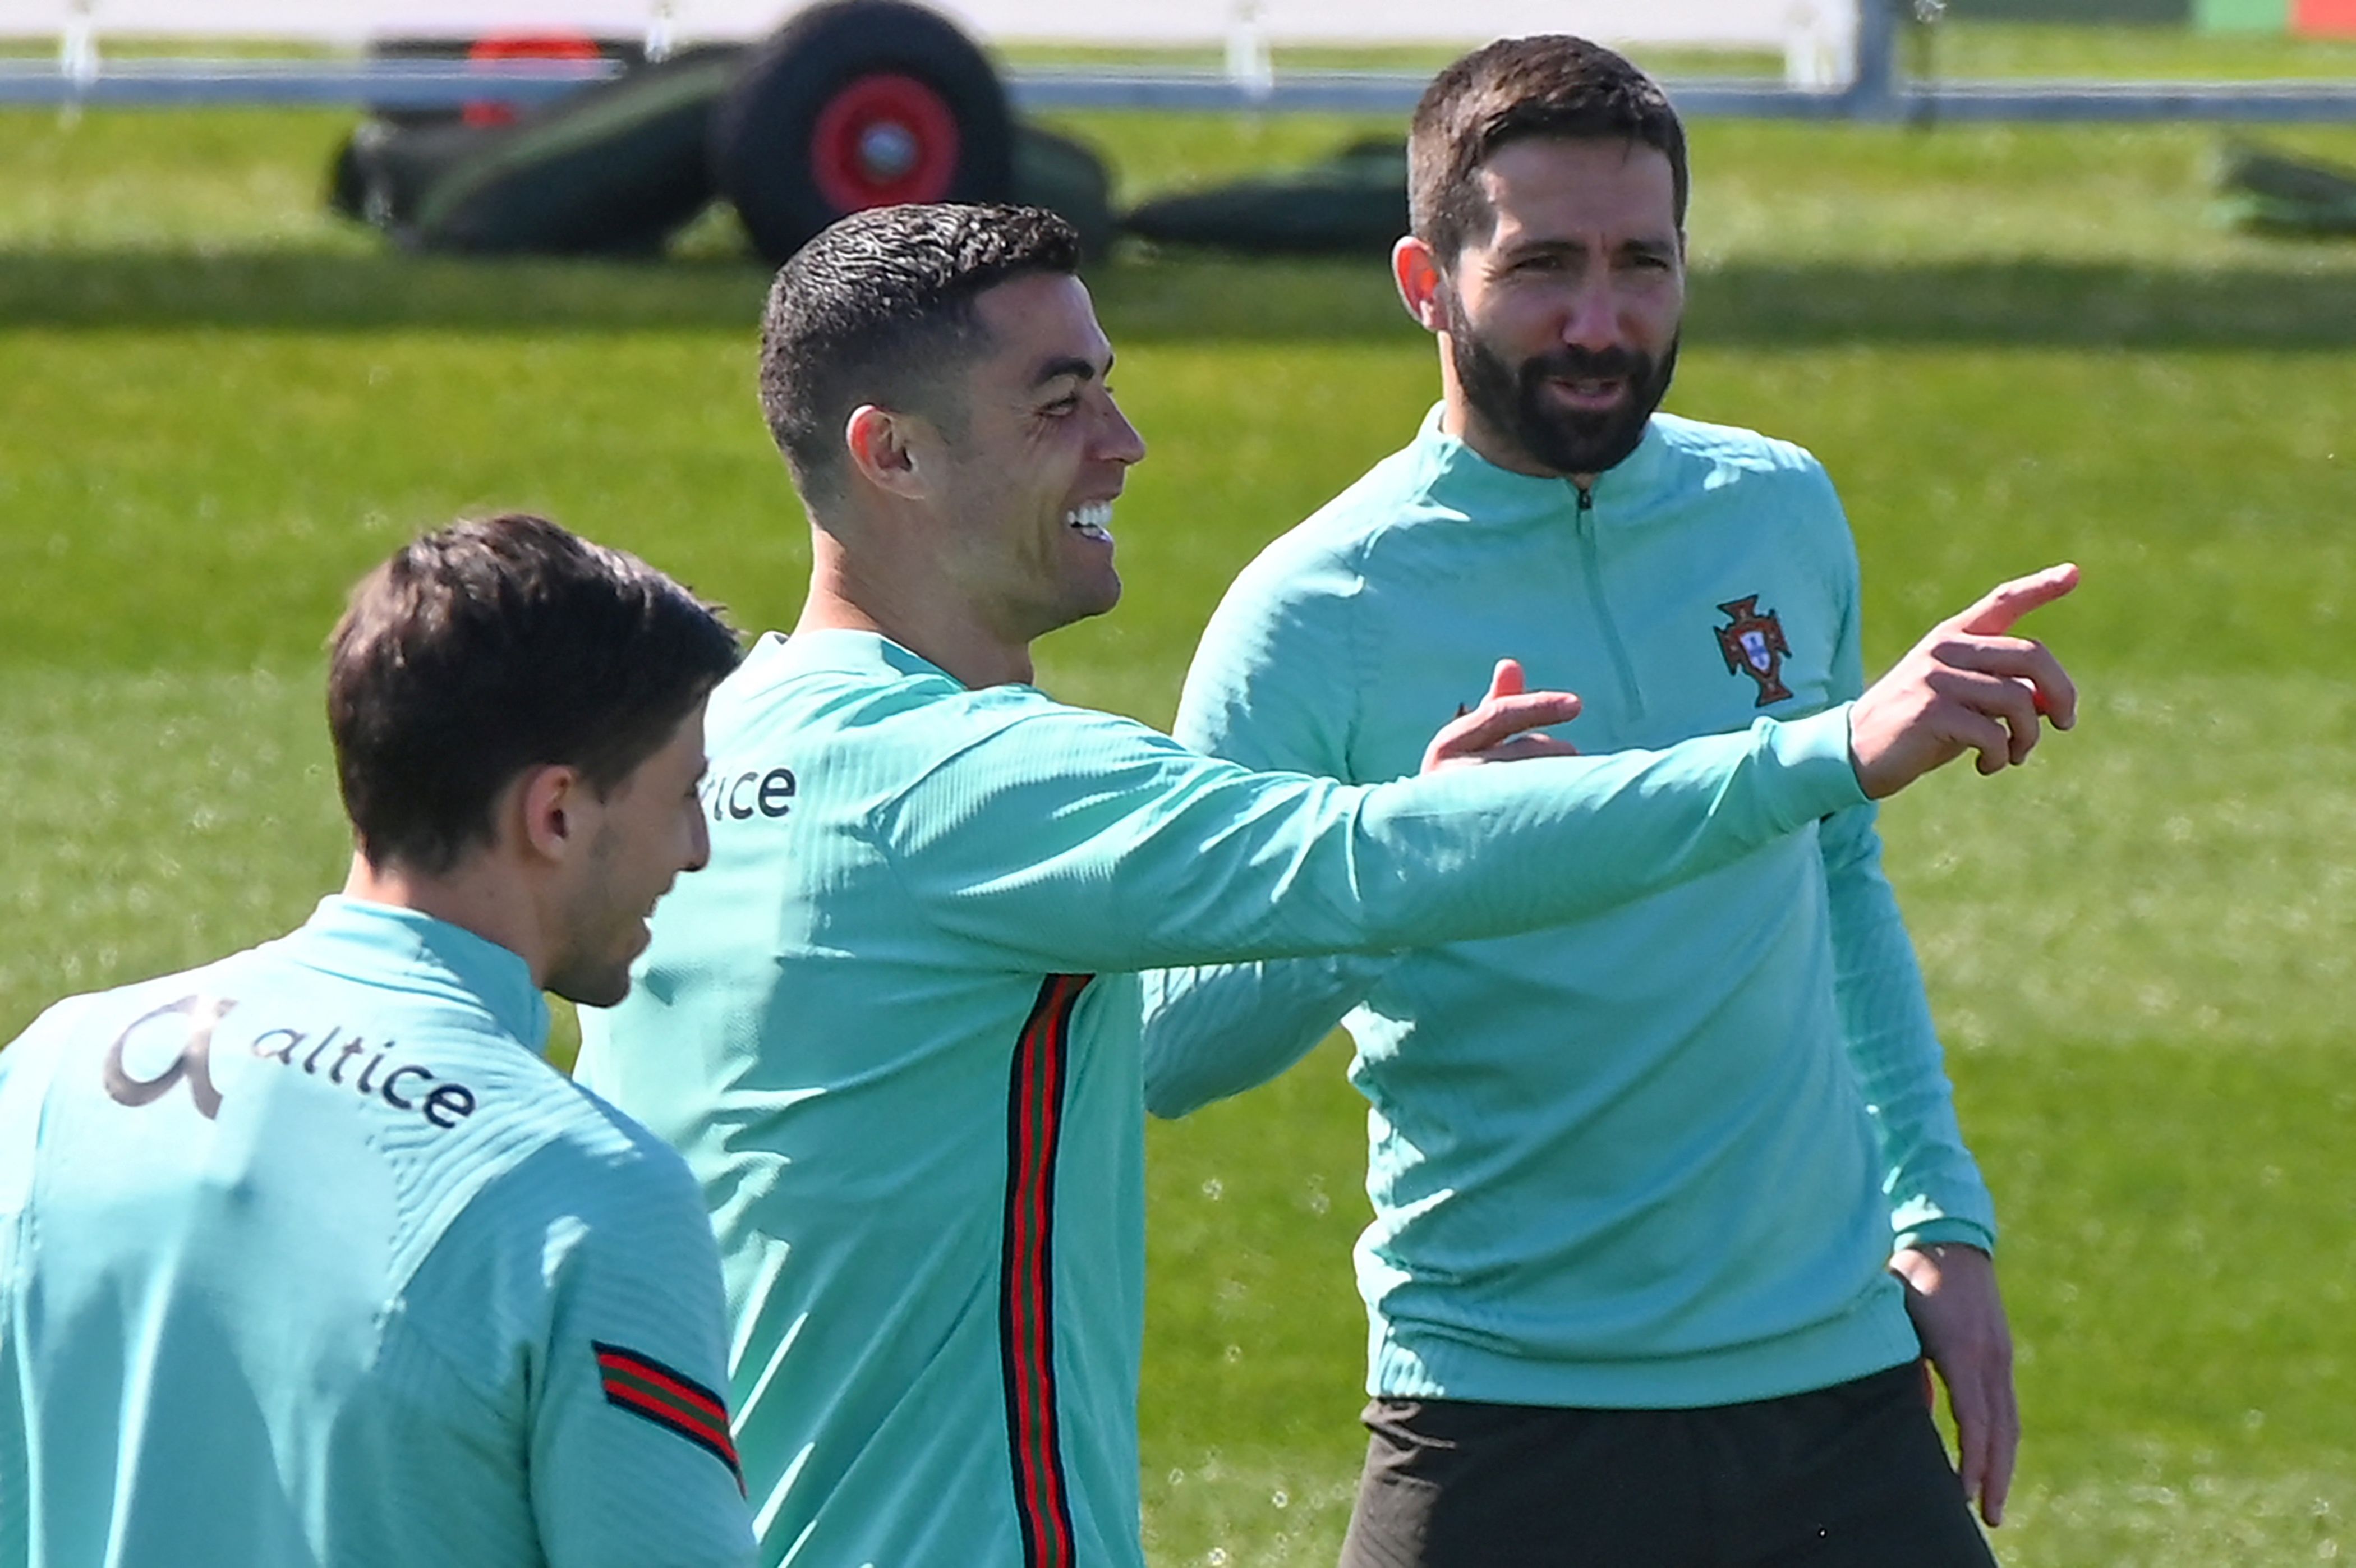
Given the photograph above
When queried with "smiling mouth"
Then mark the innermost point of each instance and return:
(1591, 391)
(1093, 520)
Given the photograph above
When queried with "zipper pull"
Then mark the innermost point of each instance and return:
(1586, 501)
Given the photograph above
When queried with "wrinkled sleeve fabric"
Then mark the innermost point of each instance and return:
(1269, 688)
(1213, 1032)
(1933, 1184)
(1065, 837)
(632, 1463)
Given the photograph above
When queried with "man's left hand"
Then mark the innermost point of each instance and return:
(1507, 727)
(1959, 1315)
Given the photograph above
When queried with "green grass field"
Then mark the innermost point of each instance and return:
(2010, 345)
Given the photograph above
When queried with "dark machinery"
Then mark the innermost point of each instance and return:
(854, 104)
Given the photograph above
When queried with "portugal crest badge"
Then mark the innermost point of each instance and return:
(1754, 646)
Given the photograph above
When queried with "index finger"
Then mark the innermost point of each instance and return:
(1996, 1486)
(1966, 1403)
(2006, 603)
(1501, 718)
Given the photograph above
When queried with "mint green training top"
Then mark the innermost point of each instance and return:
(307, 1258)
(894, 1026)
(1658, 1156)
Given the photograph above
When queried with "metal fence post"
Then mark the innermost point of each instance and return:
(1875, 91)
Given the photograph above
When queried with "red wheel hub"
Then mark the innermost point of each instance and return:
(522, 45)
(884, 139)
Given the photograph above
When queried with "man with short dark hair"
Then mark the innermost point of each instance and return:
(307, 1256)
(893, 1026)
(1656, 1191)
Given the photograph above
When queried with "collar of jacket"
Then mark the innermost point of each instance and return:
(1454, 477)
(408, 949)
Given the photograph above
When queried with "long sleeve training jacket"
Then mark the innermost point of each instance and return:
(1658, 1156)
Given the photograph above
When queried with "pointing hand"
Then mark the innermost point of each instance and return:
(1970, 685)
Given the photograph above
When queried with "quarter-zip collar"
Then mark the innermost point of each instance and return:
(1455, 477)
(408, 950)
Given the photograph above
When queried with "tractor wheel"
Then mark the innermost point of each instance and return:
(854, 104)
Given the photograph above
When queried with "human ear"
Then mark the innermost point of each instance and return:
(549, 801)
(883, 450)
(1417, 272)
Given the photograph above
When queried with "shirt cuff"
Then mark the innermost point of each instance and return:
(1946, 1231)
(1817, 772)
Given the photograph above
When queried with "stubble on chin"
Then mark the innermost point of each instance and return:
(1512, 399)
(592, 983)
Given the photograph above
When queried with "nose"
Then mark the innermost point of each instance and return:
(699, 843)
(1119, 441)
(1592, 321)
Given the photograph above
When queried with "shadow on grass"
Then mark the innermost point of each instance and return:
(2027, 304)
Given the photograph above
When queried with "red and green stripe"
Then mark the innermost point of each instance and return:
(1026, 1304)
(668, 1398)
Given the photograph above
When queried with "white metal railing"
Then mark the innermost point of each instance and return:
(1839, 55)
(1753, 24)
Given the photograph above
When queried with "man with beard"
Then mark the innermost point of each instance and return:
(1656, 1193)
(894, 1025)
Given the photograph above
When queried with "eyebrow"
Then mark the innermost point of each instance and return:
(1072, 365)
(1642, 246)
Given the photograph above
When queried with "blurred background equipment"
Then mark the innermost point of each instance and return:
(852, 103)
(2010, 342)
(2268, 191)
(615, 168)
(606, 126)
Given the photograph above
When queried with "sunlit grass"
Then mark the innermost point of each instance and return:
(218, 406)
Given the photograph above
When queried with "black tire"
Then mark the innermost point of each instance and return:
(859, 104)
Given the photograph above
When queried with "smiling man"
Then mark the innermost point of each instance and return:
(1655, 1193)
(307, 1256)
(894, 1025)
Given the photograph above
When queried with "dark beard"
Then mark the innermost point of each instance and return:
(1513, 400)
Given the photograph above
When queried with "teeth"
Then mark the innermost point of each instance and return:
(1094, 518)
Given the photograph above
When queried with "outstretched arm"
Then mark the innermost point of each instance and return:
(1137, 854)
(1968, 685)
(1215, 1031)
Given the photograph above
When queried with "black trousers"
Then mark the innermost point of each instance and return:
(1849, 1477)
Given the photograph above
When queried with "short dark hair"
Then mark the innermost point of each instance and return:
(1510, 90)
(878, 307)
(492, 647)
